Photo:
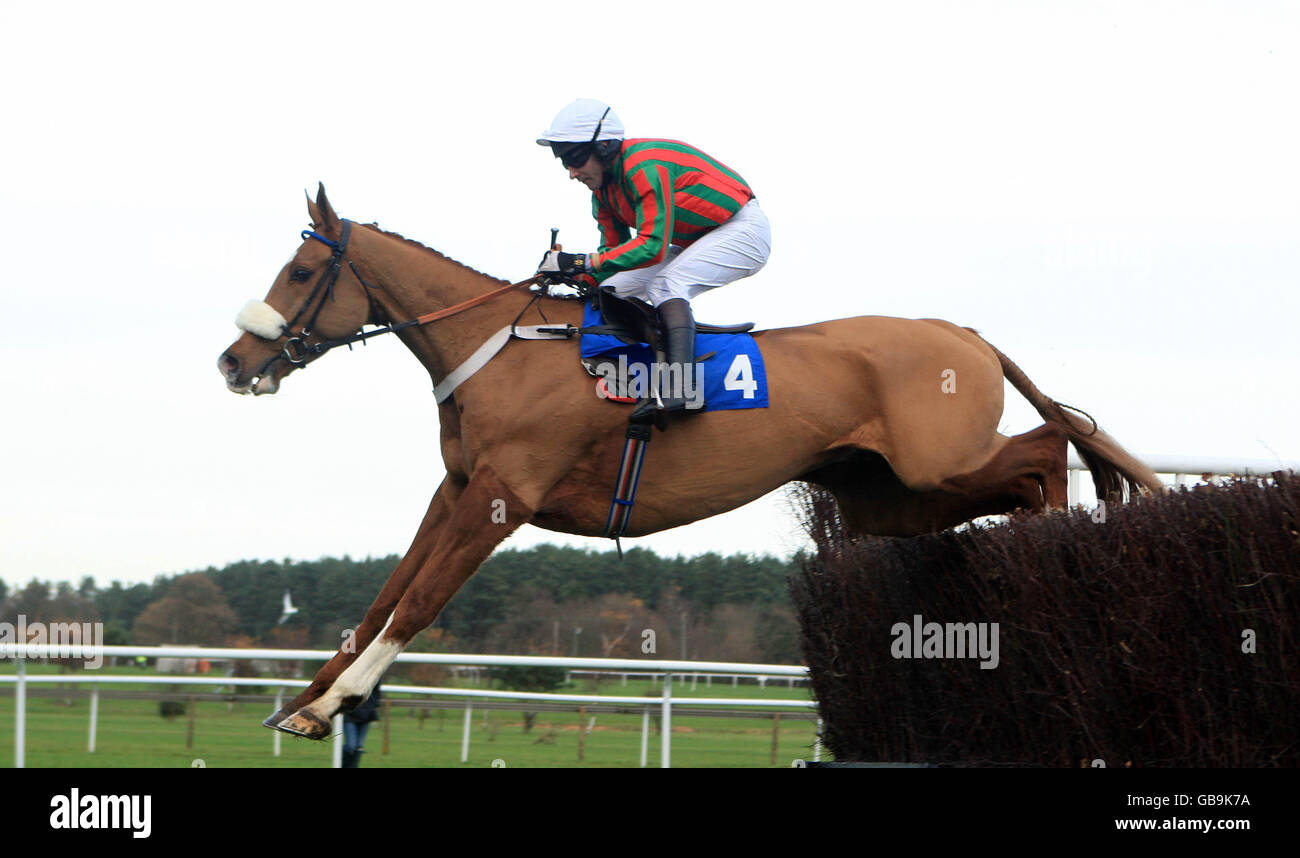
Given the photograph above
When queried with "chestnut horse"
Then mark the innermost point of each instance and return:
(897, 418)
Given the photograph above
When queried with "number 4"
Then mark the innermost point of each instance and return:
(741, 377)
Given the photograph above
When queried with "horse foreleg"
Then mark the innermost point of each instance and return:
(486, 512)
(440, 508)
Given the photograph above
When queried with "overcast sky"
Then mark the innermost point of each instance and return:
(1108, 191)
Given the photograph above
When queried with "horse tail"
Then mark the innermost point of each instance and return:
(1115, 471)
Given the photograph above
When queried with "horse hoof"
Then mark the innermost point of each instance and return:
(305, 724)
(275, 719)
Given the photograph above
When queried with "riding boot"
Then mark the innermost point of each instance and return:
(351, 760)
(679, 326)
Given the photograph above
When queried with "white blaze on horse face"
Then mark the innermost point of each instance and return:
(261, 320)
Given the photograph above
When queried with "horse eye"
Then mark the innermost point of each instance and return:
(299, 274)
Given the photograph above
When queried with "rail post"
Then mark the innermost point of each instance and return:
(464, 736)
(275, 738)
(20, 715)
(94, 717)
(645, 734)
(666, 730)
(337, 761)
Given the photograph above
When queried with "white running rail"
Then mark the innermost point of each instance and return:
(22, 652)
(1184, 467)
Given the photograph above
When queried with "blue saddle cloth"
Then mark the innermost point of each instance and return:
(734, 375)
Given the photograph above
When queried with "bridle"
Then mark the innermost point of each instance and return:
(297, 351)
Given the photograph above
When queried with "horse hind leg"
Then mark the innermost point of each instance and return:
(1042, 455)
(1028, 472)
(873, 501)
(1053, 446)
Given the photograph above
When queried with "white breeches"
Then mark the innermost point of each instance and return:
(730, 251)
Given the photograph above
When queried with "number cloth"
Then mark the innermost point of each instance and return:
(734, 376)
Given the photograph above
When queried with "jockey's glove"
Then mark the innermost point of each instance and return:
(568, 264)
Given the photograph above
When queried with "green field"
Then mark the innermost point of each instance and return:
(131, 733)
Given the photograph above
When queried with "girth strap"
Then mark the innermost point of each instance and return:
(629, 475)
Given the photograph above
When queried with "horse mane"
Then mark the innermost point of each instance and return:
(427, 249)
(545, 293)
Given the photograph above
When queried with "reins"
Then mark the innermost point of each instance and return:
(296, 350)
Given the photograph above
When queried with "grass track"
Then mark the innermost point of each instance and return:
(132, 734)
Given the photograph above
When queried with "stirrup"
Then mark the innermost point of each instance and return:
(655, 410)
(648, 412)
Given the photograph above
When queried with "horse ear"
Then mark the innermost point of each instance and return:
(313, 211)
(322, 213)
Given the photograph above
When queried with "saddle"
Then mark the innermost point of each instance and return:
(634, 321)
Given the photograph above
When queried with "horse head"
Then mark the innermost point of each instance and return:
(317, 296)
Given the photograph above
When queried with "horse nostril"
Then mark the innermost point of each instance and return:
(229, 365)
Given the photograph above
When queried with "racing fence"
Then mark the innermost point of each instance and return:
(1162, 632)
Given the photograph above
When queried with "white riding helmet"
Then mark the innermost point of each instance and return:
(584, 121)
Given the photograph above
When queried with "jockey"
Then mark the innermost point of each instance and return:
(698, 224)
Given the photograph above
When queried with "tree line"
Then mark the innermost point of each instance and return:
(545, 600)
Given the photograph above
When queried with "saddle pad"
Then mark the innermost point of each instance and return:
(734, 375)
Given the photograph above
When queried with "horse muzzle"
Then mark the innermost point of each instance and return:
(261, 321)
(264, 380)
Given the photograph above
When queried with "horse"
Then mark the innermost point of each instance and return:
(896, 418)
